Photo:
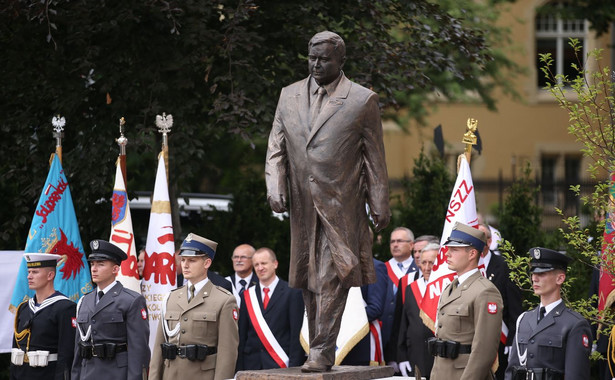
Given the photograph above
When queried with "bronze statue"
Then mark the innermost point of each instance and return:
(326, 148)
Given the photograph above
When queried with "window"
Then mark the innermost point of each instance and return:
(547, 166)
(553, 35)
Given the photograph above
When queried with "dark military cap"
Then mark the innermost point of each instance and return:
(41, 260)
(545, 260)
(463, 235)
(103, 250)
(195, 245)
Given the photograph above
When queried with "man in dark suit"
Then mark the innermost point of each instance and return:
(413, 334)
(326, 147)
(243, 276)
(552, 341)
(498, 273)
(270, 319)
(111, 322)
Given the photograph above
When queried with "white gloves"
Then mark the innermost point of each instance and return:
(405, 368)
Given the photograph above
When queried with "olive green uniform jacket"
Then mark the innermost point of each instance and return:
(470, 314)
(210, 318)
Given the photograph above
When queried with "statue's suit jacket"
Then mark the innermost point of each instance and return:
(210, 318)
(470, 314)
(119, 317)
(332, 170)
(562, 340)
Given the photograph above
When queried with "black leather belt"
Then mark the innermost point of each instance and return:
(101, 350)
(184, 351)
(522, 373)
(447, 348)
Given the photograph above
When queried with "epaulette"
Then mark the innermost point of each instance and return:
(224, 290)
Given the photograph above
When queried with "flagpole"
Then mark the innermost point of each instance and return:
(58, 123)
(122, 141)
(164, 123)
(469, 138)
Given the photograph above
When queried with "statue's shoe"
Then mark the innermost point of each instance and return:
(314, 366)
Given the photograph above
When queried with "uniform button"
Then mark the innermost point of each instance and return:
(532, 341)
(442, 313)
(204, 317)
(93, 320)
(550, 343)
(440, 325)
(311, 178)
(531, 355)
(185, 318)
(183, 331)
(94, 332)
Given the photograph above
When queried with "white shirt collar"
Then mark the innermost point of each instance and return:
(107, 288)
(271, 287)
(551, 306)
(238, 278)
(198, 286)
(466, 275)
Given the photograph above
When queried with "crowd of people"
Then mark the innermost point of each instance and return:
(252, 319)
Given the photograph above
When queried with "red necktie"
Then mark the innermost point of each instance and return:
(266, 300)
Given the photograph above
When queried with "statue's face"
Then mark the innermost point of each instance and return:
(324, 63)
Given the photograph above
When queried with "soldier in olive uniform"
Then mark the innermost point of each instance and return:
(552, 340)
(197, 337)
(469, 319)
(44, 326)
(112, 327)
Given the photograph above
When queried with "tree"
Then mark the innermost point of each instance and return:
(422, 205)
(217, 66)
(520, 218)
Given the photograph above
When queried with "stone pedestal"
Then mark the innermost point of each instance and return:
(337, 373)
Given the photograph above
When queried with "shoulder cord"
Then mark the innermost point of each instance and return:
(611, 351)
(165, 325)
(88, 333)
(522, 357)
(19, 336)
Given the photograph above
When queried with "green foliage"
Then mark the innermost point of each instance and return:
(249, 220)
(599, 13)
(520, 217)
(422, 205)
(217, 66)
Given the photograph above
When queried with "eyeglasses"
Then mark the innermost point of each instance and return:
(400, 241)
(241, 257)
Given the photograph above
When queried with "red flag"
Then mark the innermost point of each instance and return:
(606, 287)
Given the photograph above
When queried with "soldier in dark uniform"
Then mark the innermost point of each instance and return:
(112, 323)
(44, 326)
(552, 340)
(197, 337)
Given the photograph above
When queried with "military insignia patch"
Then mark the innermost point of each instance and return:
(537, 253)
(585, 341)
(492, 308)
(73, 321)
(235, 316)
(95, 244)
(143, 314)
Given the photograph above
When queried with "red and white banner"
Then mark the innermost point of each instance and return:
(159, 276)
(461, 208)
(263, 331)
(122, 234)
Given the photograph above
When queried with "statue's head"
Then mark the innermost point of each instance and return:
(326, 56)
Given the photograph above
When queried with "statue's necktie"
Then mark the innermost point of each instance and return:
(315, 109)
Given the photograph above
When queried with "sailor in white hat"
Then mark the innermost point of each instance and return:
(44, 336)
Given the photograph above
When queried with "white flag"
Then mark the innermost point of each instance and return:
(159, 276)
(461, 208)
(122, 234)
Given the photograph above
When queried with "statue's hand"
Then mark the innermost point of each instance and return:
(278, 204)
(380, 221)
